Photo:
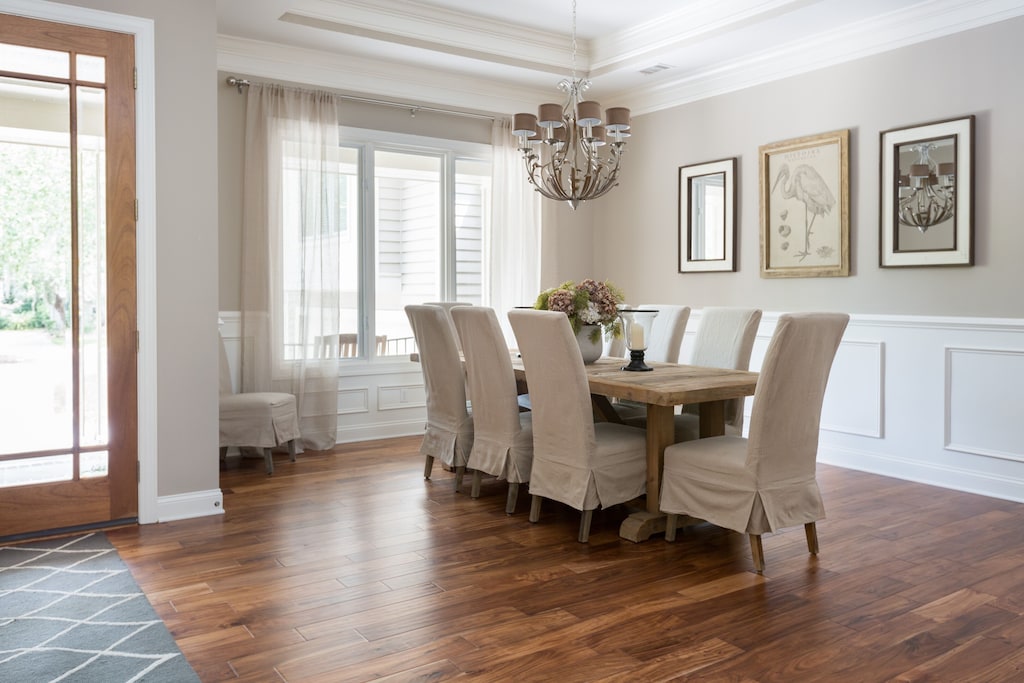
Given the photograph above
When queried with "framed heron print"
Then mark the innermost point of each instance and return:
(927, 195)
(805, 206)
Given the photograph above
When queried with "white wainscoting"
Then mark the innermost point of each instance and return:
(928, 399)
(933, 400)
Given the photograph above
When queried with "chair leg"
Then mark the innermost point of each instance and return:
(460, 472)
(811, 531)
(477, 476)
(757, 552)
(428, 467)
(268, 458)
(670, 527)
(585, 517)
(513, 496)
(291, 449)
(223, 452)
(535, 509)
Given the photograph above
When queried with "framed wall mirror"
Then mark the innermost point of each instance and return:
(707, 216)
(927, 195)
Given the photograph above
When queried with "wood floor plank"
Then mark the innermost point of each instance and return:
(348, 566)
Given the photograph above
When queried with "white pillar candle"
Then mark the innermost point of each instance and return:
(636, 337)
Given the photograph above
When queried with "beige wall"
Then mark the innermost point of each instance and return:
(635, 226)
(186, 237)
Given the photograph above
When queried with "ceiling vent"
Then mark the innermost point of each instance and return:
(654, 69)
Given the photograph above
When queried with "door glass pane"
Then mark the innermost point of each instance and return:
(36, 470)
(35, 268)
(93, 464)
(408, 233)
(34, 61)
(89, 68)
(92, 268)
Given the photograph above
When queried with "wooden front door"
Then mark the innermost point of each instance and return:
(68, 340)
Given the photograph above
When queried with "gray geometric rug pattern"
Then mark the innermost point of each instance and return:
(70, 611)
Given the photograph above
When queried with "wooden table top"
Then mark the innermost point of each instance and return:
(669, 384)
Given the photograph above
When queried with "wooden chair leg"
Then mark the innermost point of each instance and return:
(757, 552)
(585, 517)
(811, 531)
(513, 496)
(268, 458)
(670, 526)
(428, 467)
(460, 472)
(477, 476)
(535, 509)
(291, 450)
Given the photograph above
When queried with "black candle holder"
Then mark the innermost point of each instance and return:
(636, 362)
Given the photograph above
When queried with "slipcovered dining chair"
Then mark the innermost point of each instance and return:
(666, 338)
(448, 306)
(256, 419)
(576, 461)
(766, 481)
(449, 428)
(502, 435)
(725, 339)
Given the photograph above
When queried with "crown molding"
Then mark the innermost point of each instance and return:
(695, 22)
(373, 77)
(441, 30)
(843, 44)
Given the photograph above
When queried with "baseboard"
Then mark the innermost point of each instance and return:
(954, 478)
(189, 505)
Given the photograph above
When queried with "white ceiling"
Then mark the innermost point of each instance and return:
(502, 56)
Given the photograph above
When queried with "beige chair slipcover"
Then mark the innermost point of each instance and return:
(502, 436)
(575, 461)
(663, 346)
(449, 429)
(767, 481)
(259, 419)
(448, 306)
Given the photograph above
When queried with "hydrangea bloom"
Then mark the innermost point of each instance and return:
(588, 303)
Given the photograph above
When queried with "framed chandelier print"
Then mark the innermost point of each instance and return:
(805, 206)
(927, 195)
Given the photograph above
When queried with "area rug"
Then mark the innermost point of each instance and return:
(70, 611)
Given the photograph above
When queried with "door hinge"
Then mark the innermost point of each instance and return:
(137, 341)
(138, 472)
(136, 210)
(135, 78)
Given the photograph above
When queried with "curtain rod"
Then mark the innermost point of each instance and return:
(413, 108)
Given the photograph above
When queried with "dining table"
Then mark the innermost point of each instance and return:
(666, 386)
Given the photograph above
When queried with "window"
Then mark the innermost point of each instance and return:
(410, 217)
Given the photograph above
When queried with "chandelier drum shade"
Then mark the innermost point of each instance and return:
(927, 194)
(572, 153)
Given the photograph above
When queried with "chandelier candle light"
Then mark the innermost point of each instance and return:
(572, 155)
(928, 192)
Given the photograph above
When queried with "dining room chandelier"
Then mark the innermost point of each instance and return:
(928, 192)
(571, 153)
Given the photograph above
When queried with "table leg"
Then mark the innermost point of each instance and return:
(640, 526)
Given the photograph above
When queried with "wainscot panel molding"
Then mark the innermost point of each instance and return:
(927, 399)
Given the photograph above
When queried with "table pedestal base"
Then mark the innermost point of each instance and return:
(640, 526)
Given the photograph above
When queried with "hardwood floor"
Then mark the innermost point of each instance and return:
(348, 566)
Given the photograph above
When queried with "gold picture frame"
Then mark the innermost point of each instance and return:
(805, 206)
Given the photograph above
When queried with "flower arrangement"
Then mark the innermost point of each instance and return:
(588, 303)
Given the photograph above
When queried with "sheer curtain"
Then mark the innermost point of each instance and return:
(291, 251)
(514, 254)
